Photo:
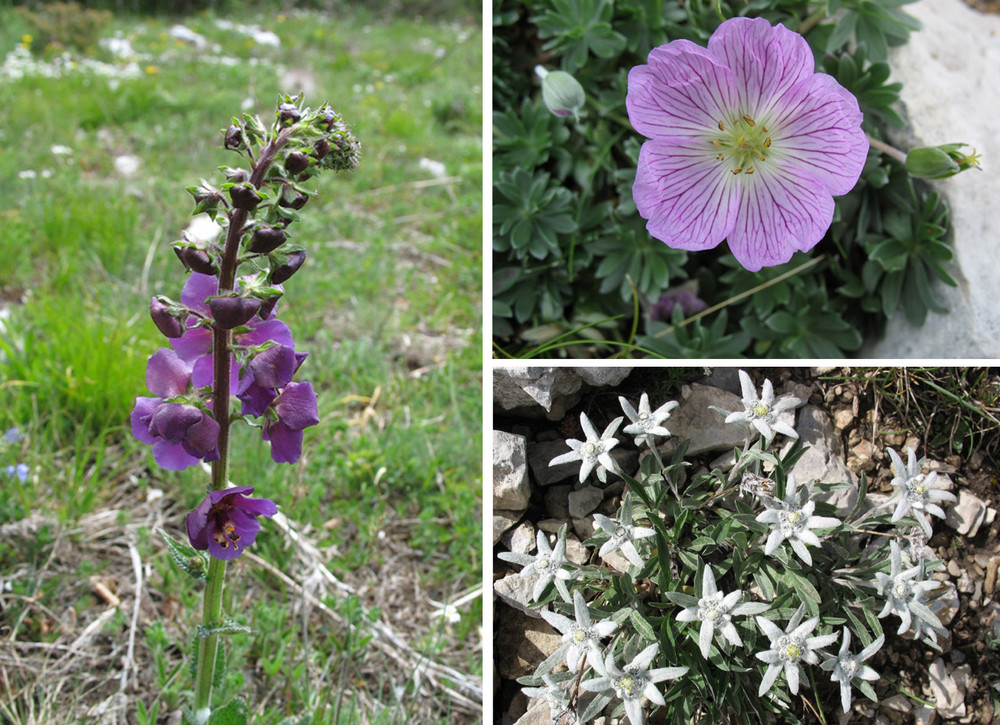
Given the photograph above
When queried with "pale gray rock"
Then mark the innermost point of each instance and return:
(584, 500)
(948, 71)
(947, 605)
(502, 521)
(705, 427)
(511, 489)
(520, 539)
(823, 459)
(536, 392)
(541, 453)
(539, 713)
(602, 377)
(949, 688)
(521, 642)
(967, 515)
(515, 590)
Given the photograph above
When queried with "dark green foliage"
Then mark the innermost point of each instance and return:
(573, 263)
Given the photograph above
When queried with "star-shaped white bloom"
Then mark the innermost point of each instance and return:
(646, 423)
(634, 681)
(580, 637)
(623, 534)
(547, 564)
(789, 648)
(714, 610)
(594, 452)
(762, 412)
(902, 591)
(553, 693)
(793, 521)
(846, 667)
(916, 495)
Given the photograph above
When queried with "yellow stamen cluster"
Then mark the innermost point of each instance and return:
(744, 143)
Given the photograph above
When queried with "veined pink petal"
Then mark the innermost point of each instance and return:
(683, 91)
(689, 200)
(766, 61)
(783, 210)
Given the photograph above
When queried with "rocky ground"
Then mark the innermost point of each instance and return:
(849, 418)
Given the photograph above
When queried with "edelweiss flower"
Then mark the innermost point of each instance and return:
(847, 667)
(902, 592)
(748, 143)
(553, 693)
(916, 495)
(762, 413)
(714, 609)
(546, 564)
(580, 637)
(789, 648)
(646, 423)
(634, 681)
(623, 533)
(794, 521)
(592, 452)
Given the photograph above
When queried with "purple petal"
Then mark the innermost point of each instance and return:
(689, 200)
(203, 436)
(171, 456)
(197, 289)
(296, 406)
(784, 210)
(195, 342)
(684, 91)
(171, 421)
(271, 329)
(274, 367)
(286, 444)
(254, 399)
(141, 413)
(197, 524)
(257, 506)
(766, 61)
(167, 374)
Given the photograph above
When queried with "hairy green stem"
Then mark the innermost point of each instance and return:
(886, 149)
(208, 647)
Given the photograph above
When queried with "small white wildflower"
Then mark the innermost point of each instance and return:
(554, 694)
(903, 592)
(59, 150)
(126, 165)
(594, 452)
(646, 423)
(623, 534)
(794, 521)
(789, 648)
(547, 564)
(581, 638)
(846, 667)
(634, 681)
(916, 493)
(762, 412)
(715, 610)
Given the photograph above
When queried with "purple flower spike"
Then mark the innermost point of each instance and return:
(225, 522)
(267, 371)
(747, 143)
(296, 409)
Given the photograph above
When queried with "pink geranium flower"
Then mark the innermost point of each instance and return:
(747, 143)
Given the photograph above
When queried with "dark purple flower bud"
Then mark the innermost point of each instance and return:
(664, 307)
(196, 260)
(296, 162)
(321, 148)
(288, 113)
(295, 409)
(233, 311)
(244, 196)
(202, 438)
(225, 522)
(234, 138)
(267, 307)
(293, 201)
(266, 239)
(285, 269)
(167, 323)
(330, 118)
(171, 421)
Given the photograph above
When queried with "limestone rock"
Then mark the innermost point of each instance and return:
(948, 72)
(967, 515)
(824, 459)
(585, 500)
(602, 377)
(511, 489)
(949, 688)
(705, 427)
(522, 642)
(541, 453)
(502, 521)
(537, 392)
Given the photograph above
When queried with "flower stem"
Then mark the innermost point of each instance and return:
(208, 647)
(810, 22)
(887, 149)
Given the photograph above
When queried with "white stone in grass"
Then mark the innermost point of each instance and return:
(127, 165)
(948, 71)
(434, 168)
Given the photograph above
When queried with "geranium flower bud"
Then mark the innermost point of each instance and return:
(296, 162)
(234, 138)
(939, 162)
(266, 239)
(285, 269)
(225, 522)
(166, 322)
(244, 196)
(233, 311)
(561, 92)
(196, 260)
(288, 113)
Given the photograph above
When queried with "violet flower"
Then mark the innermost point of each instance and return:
(747, 143)
(290, 412)
(266, 371)
(181, 433)
(225, 522)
